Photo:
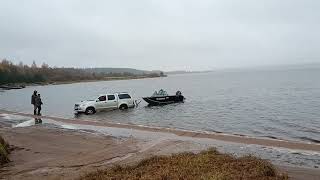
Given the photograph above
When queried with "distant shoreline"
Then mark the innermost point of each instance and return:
(23, 85)
(187, 72)
(19, 76)
(106, 79)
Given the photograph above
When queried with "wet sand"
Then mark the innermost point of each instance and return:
(64, 154)
(211, 135)
(44, 152)
(52, 153)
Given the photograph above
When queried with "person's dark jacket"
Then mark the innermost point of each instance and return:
(33, 99)
(38, 101)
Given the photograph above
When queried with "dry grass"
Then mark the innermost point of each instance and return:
(4, 151)
(208, 164)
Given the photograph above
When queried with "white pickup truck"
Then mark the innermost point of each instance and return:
(105, 101)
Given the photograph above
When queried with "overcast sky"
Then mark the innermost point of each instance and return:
(160, 34)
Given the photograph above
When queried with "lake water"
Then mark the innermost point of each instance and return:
(283, 104)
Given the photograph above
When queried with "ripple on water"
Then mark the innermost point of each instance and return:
(309, 139)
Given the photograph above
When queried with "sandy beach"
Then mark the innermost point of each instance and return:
(159, 90)
(183, 133)
(51, 152)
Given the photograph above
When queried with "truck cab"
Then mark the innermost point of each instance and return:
(104, 102)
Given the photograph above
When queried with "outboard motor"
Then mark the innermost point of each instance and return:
(178, 93)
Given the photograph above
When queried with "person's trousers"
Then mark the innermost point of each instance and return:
(39, 110)
(35, 110)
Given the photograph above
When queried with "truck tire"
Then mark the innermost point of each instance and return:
(123, 106)
(90, 110)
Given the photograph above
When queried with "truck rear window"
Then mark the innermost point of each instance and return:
(124, 96)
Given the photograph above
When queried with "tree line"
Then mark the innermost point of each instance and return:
(11, 73)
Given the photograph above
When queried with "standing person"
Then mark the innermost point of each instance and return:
(33, 102)
(38, 103)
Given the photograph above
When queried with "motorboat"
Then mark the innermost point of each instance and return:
(162, 98)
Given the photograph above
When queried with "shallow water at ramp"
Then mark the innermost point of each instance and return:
(275, 104)
(278, 155)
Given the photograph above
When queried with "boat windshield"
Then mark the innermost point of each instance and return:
(161, 92)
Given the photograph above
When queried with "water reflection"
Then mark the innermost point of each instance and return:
(31, 122)
(37, 120)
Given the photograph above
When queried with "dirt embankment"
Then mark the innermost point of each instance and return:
(52, 153)
(4, 152)
(47, 152)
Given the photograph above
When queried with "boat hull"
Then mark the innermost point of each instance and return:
(157, 101)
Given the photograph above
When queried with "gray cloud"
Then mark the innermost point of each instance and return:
(160, 34)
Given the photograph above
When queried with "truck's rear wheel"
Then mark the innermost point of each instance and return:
(123, 106)
(90, 110)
